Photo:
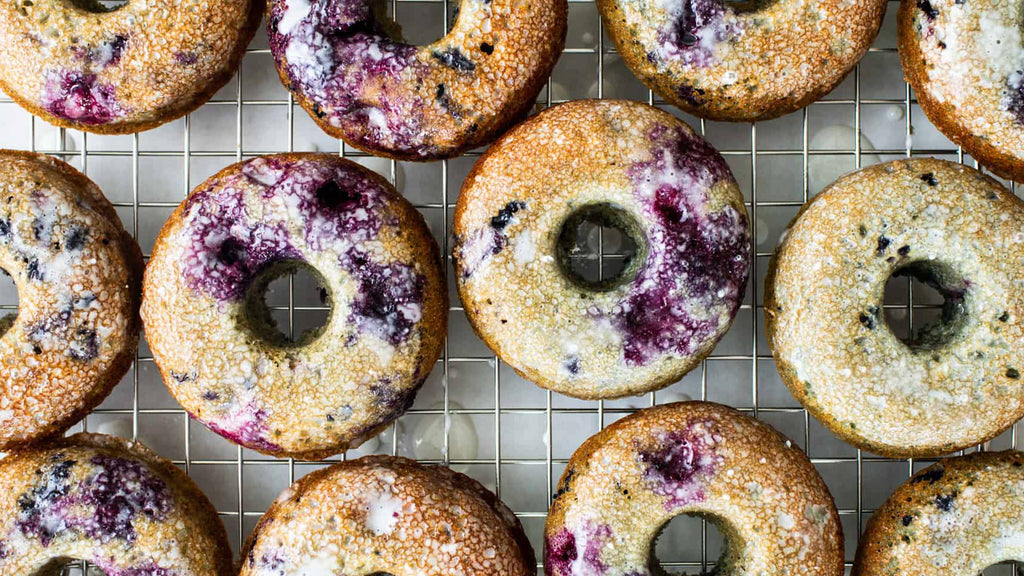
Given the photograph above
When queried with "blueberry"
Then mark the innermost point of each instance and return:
(454, 59)
(505, 215)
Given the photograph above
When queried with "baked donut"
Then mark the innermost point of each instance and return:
(625, 165)
(212, 335)
(113, 503)
(79, 65)
(346, 65)
(741, 62)
(625, 483)
(388, 515)
(956, 517)
(956, 382)
(965, 61)
(77, 272)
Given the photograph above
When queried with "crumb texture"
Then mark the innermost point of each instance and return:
(110, 502)
(954, 518)
(690, 275)
(721, 61)
(381, 514)
(957, 382)
(213, 339)
(624, 484)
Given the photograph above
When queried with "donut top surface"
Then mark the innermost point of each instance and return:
(749, 62)
(78, 65)
(966, 63)
(416, 102)
(110, 502)
(381, 514)
(624, 484)
(954, 518)
(212, 337)
(77, 273)
(958, 381)
(687, 213)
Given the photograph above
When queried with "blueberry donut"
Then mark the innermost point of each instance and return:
(113, 503)
(77, 272)
(79, 65)
(347, 66)
(965, 61)
(388, 515)
(624, 484)
(954, 518)
(742, 62)
(627, 166)
(214, 339)
(955, 382)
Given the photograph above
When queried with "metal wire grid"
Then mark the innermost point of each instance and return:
(842, 468)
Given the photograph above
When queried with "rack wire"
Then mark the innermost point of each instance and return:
(471, 392)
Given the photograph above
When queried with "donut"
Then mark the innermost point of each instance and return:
(956, 382)
(388, 515)
(623, 485)
(957, 516)
(79, 65)
(214, 340)
(628, 166)
(111, 502)
(77, 272)
(345, 63)
(965, 61)
(741, 62)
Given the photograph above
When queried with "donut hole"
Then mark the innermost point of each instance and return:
(270, 304)
(98, 6)
(692, 544)
(600, 247)
(741, 6)
(65, 565)
(1005, 568)
(940, 301)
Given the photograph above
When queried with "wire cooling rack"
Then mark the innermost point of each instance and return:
(474, 413)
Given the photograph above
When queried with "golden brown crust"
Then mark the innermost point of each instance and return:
(28, 419)
(189, 540)
(902, 202)
(943, 114)
(743, 65)
(627, 481)
(330, 393)
(957, 516)
(389, 512)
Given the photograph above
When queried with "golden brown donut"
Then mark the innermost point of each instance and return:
(214, 339)
(625, 483)
(111, 502)
(78, 273)
(965, 61)
(954, 518)
(742, 62)
(388, 515)
(78, 65)
(957, 382)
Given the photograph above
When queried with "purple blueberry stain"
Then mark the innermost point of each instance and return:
(186, 58)
(43, 509)
(80, 97)
(121, 491)
(577, 552)
(146, 568)
(354, 76)
(696, 28)
(389, 299)
(1013, 95)
(473, 249)
(244, 424)
(679, 463)
(695, 273)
